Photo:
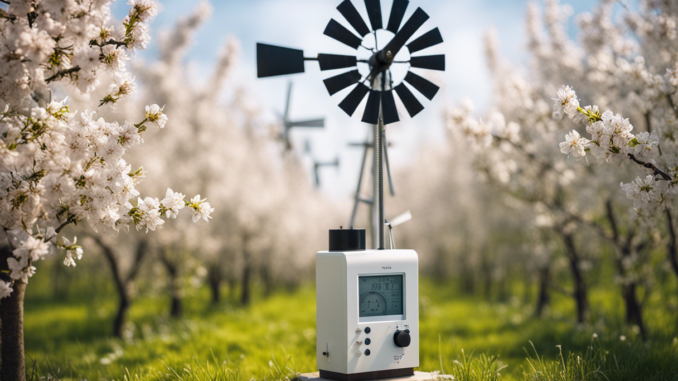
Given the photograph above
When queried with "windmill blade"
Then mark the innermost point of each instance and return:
(351, 15)
(341, 34)
(397, 14)
(336, 61)
(371, 114)
(391, 187)
(415, 22)
(374, 12)
(411, 103)
(436, 62)
(426, 40)
(423, 85)
(388, 107)
(353, 99)
(342, 81)
(401, 219)
(276, 60)
(314, 123)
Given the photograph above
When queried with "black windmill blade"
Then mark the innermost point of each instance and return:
(342, 81)
(411, 103)
(397, 15)
(427, 40)
(335, 61)
(353, 99)
(374, 13)
(423, 85)
(351, 15)
(276, 60)
(341, 34)
(436, 62)
(415, 22)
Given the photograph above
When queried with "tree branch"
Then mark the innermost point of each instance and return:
(139, 255)
(112, 261)
(651, 166)
(109, 42)
(62, 73)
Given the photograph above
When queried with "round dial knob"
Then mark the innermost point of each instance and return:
(402, 338)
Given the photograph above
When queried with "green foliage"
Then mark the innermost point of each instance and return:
(274, 339)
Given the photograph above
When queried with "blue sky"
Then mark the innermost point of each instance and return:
(300, 23)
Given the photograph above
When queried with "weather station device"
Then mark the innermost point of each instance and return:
(367, 320)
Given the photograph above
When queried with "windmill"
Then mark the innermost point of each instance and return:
(376, 62)
(318, 165)
(288, 124)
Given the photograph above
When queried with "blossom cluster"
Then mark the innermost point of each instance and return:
(60, 167)
(611, 140)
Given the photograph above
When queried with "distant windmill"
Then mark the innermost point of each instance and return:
(289, 124)
(318, 165)
(358, 198)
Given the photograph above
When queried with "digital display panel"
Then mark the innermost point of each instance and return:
(380, 295)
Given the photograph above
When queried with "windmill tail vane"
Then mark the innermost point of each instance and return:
(276, 60)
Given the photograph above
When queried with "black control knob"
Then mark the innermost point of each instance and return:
(402, 339)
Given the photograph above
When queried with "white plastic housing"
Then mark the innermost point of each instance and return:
(340, 330)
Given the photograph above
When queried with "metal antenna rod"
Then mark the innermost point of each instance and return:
(379, 171)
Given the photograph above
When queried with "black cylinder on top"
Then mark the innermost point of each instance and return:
(347, 239)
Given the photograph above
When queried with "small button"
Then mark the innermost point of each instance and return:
(367, 352)
(367, 341)
(367, 330)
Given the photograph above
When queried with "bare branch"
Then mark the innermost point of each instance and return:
(60, 74)
(109, 42)
(651, 166)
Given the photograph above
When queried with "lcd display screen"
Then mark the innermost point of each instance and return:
(380, 295)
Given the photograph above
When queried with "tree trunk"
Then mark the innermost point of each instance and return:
(245, 296)
(12, 318)
(544, 296)
(177, 308)
(215, 286)
(634, 313)
(121, 315)
(580, 290)
(672, 251)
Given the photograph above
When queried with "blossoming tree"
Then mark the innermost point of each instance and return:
(606, 65)
(60, 167)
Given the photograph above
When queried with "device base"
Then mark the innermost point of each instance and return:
(407, 374)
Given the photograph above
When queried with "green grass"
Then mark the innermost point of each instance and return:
(275, 338)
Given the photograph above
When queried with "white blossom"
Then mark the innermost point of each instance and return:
(574, 144)
(642, 191)
(5, 289)
(173, 202)
(565, 102)
(201, 208)
(154, 115)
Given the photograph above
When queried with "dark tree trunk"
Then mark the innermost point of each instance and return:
(544, 296)
(267, 278)
(580, 294)
(121, 315)
(12, 318)
(215, 277)
(245, 296)
(634, 309)
(672, 251)
(177, 308)
(215, 287)
(634, 314)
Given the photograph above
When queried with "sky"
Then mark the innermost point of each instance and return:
(300, 24)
